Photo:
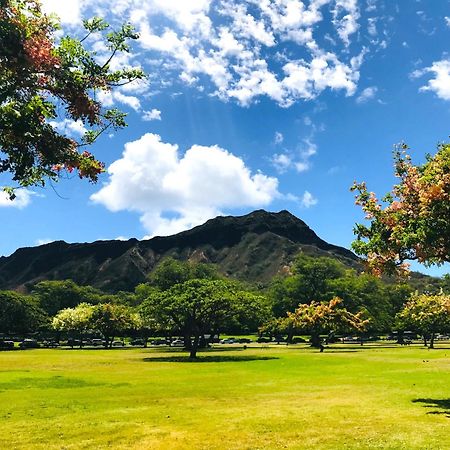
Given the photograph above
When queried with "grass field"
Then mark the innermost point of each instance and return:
(258, 398)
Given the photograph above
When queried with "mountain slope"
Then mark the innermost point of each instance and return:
(254, 247)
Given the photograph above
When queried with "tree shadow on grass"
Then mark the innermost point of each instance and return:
(442, 404)
(209, 358)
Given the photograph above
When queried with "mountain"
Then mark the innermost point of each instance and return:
(254, 247)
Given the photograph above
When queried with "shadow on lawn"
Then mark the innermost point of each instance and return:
(443, 404)
(209, 358)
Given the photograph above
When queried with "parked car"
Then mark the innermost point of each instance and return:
(263, 340)
(97, 342)
(244, 341)
(177, 343)
(50, 344)
(118, 344)
(6, 345)
(160, 342)
(137, 342)
(229, 341)
(29, 343)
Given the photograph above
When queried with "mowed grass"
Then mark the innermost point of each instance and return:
(257, 398)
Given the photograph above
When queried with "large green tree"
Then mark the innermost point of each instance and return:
(202, 306)
(54, 295)
(309, 280)
(20, 313)
(39, 78)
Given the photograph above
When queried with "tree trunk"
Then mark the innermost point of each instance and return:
(187, 342)
(290, 335)
(194, 347)
(315, 340)
(425, 340)
(432, 340)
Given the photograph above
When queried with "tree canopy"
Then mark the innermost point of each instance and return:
(317, 318)
(202, 306)
(426, 314)
(40, 77)
(413, 221)
(20, 313)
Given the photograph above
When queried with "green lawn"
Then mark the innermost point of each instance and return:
(258, 398)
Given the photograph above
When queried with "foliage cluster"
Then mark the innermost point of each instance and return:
(39, 78)
(413, 221)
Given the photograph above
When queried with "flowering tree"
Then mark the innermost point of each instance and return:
(427, 314)
(39, 78)
(112, 320)
(412, 222)
(319, 318)
(75, 321)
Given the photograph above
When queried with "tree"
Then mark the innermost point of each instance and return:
(413, 221)
(319, 318)
(112, 320)
(20, 313)
(170, 272)
(198, 307)
(38, 78)
(74, 321)
(54, 295)
(366, 292)
(309, 280)
(426, 314)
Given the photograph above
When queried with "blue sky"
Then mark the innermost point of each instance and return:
(274, 104)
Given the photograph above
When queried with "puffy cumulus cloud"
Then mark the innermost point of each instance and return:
(440, 84)
(367, 94)
(173, 192)
(228, 48)
(307, 200)
(22, 200)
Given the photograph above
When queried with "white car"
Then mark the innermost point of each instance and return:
(177, 343)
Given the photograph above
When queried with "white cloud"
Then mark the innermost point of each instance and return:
(281, 162)
(279, 138)
(367, 94)
(447, 21)
(109, 98)
(345, 18)
(372, 26)
(69, 127)
(440, 84)
(173, 192)
(22, 200)
(230, 45)
(154, 114)
(68, 11)
(308, 200)
(43, 241)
